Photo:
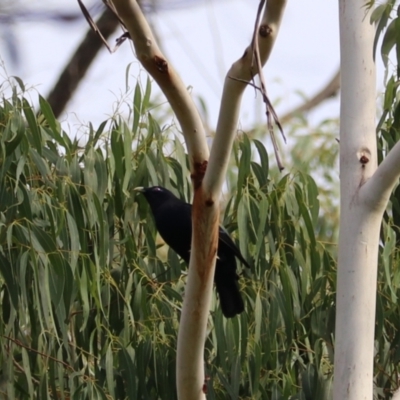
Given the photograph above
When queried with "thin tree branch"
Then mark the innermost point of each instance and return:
(150, 56)
(328, 91)
(263, 32)
(19, 343)
(241, 71)
(378, 188)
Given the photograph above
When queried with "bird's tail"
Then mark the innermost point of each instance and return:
(229, 294)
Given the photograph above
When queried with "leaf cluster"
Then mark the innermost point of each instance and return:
(91, 297)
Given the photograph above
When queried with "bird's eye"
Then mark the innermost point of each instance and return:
(157, 189)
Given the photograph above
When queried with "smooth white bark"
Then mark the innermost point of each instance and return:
(196, 305)
(377, 190)
(243, 69)
(192, 332)
(364, 194)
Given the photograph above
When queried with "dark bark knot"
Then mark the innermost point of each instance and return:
(205, 384)
(209, 202)
(265, 30)
(161, 64)
(364, 156)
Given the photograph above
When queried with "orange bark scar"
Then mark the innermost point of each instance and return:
(200, 241)
(198, 174)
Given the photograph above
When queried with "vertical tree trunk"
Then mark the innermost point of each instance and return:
(193, 324)
(360, 217)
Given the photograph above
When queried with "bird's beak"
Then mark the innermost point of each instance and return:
(140, 189)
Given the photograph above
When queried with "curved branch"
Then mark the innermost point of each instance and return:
(328, 91)
(378, 188)
(196, 304)
(241, 71)
(150, 56)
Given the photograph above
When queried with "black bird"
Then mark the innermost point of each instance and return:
(173, 218)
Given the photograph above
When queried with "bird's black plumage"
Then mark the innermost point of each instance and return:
(173, 219)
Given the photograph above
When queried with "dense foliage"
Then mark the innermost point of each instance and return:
(91, 298)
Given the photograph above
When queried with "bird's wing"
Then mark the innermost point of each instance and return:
(227, 240)
(174, 224)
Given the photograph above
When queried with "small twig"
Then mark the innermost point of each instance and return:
(263, 88)
(328, 91)
(19, 367)
(111, 7)
(92, 24)
(270, 126)
(19, 343)
(96, 29)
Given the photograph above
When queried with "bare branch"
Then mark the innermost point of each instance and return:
(149, 54)
(196, 305)
(378, 188)
(93, 25)
(264, 31)
(328, 91)
(240, 74)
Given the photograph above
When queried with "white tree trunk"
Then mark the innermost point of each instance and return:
(193, 324)
(364, 194)
(192, 330)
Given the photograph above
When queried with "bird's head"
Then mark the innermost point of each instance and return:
(156, 195)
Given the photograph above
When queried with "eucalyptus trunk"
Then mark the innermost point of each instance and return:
(365, 190)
